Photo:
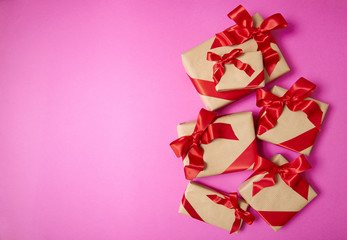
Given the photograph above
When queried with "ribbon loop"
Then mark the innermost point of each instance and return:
(231, 201)
(244, 30)
(294, 99)
(229, 58)
(241, 17)
(204, 132)
(289, 173)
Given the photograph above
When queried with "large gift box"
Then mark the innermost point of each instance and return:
(218, 87)
(276, 190)
(289, 118)
(215, 145)
(226, 211)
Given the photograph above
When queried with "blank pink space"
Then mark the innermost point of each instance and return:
(90, 96)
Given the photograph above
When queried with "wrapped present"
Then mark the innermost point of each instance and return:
(288, 118)
(223, 210)
(215, 145)
(251, 35)
(276, 190)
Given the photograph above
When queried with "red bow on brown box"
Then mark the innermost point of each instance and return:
(205, 131)
(276, 190)
(289, 118)
(212, 206)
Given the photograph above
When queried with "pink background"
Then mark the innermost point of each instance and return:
(90, 96)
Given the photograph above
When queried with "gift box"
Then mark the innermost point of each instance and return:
(251, 36)
(276, 190)
(289, 118)
(215, 145)
(223, 210)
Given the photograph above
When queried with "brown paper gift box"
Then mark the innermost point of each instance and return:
(290, 124)
(210, 212)
(223, 155)
(198, 67)
(280, 199)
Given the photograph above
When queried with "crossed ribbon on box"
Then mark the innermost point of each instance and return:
(204, 132)
(289, 172)
(294, 99)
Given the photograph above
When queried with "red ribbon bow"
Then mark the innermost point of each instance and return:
(244, 30)
(294, 99)
(205, 131)
(229, 58)
(289, 173)
(231, 201)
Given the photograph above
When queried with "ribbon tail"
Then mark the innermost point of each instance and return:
(218, 72)
(269, 120)
(270, 56)
(244, 67)
(236, 224)
(267, 181)
(248, 217)
(196, 162)
(218, 130)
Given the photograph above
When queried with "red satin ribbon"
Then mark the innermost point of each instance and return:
(207, 88)
(186, 204)
(300, 142)
(289, 173)
(245, 160)
(294, 99)
(276, 218)
(229, 58)
(231, 201)
(205, 131)
(244, 30)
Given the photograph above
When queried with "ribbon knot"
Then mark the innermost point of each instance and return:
(197, 137)
(280, 170)
(286, 100)
(294, 99)
(255, 32)
(289, 173)
(204, 132)
(229, 58)
(244, 30)
(231, 201)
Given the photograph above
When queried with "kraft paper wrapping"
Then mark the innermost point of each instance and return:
(221, 153)
(277, 198)
(211, 212)
(235, 78)
(290, 124)
(197, 67)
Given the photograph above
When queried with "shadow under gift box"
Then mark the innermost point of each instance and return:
(210, 212)
(276, 204)
(224, 155)
(291, 125)
(198, 67)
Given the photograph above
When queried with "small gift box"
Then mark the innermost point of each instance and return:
(250, 36)
(276, 190)
(226, 211)
(215, 145)
(288, 118)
